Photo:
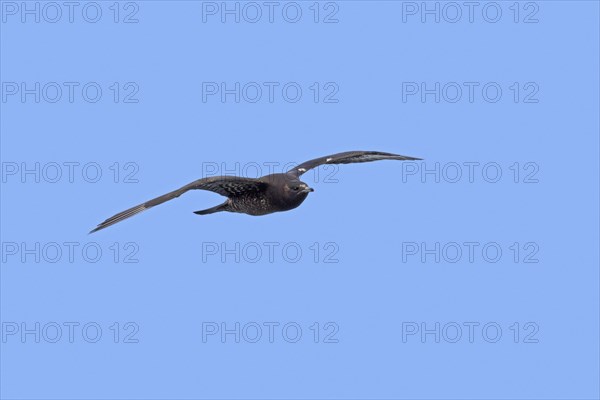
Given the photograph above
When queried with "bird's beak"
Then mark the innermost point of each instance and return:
(308, 189)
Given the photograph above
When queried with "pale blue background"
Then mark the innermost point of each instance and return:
(369, 213)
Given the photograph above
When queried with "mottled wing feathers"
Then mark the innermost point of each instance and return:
(229, 186)
(348, 157)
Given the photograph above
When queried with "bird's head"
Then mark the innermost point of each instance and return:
(297, 188)
(295, 192)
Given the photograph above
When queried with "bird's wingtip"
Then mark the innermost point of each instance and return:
(403, 157)
(408, 158)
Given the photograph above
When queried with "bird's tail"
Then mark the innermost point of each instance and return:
(220, 207)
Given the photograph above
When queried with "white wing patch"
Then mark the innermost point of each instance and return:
(329, 159)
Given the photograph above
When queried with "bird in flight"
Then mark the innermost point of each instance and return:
(264, 195)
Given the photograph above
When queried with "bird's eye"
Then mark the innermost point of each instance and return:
(295, 188)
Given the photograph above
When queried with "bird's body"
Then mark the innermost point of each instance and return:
(265, 195)
(272, 199)
(271, 195)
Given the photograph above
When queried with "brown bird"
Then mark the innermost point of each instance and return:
(265, 195)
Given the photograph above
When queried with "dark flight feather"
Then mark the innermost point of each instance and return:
(223, 185)
(348, 157)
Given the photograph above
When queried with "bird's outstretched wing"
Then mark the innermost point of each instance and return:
(348, 157)
(229, 186)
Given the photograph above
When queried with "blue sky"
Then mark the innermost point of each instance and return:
(475, 269)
